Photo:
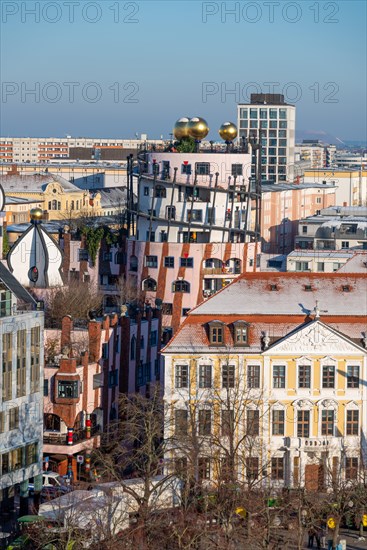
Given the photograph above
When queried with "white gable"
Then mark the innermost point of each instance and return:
(314, 338)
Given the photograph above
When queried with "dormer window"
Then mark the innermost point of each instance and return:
(346, 288)
(216, 333)
(308, 288)
(240, 333)
(273, 287)
(67, 389)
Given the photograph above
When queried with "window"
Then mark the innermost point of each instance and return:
(2, 422)
(321, 266)
(204, 467)
(236, 169)
(205, 422)
(160, 192)
(304, 376)
(186, 262)
(227, 424)
(151, 261)
(7, 366)
(169, 261)
(186, 169)
(345, 244)
(210, 217)
(133, 263)
(113, 378)
(240, 334)
(336, 266)
(170, 212)
(303, 424)
(67, 389)
(150, 285)
(195, 215)
(351, 467)
(253, 376)
(21, 362)
(202, 168)
(45, 387)
(304, 229)
(83, 254)
(5, 303)
(181, 286)
(181, 422)
(278, 422)
(105, 350)
(185, 311)
(205, 376)
(167, 308)
(302, 266)
(181, 376)
(228, 375)
(352, 422)
(253, 422)
(146, 191)
(31, 454)
(278, 376)
(328, 376)
(150, 236)
(216, 334)
(142, 343)
(14, 418)
(252, 467)
(353, 376)
(327, 422)
(277, 468)
(107, 256)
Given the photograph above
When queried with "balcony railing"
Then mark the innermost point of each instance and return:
(55, 438)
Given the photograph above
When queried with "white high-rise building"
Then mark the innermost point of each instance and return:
(277, 121)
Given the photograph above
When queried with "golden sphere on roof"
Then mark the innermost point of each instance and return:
(228, 131)
(198, 128)
(180, 129)
(36, 214)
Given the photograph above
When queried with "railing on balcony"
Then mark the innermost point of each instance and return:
(55, 438)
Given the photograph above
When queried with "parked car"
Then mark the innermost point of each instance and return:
(52, 484)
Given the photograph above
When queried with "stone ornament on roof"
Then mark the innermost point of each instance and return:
(35, 259)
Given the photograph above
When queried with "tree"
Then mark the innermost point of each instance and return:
(76, 299)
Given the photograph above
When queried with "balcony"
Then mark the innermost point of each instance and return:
(56, 443)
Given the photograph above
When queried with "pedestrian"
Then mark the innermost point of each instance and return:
(323, 536)
(318, 533)
(311, 536)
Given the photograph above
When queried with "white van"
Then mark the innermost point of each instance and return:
(51, 482)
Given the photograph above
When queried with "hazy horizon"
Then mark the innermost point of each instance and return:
(114, 68)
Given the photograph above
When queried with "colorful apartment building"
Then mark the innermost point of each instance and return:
(275, 363)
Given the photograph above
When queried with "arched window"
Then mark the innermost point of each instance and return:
(150, 284)
(132, 347)
(54, 204)
(180, 286)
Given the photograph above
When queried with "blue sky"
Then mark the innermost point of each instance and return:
(142, 65)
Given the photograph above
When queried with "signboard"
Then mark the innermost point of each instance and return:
(80, 459)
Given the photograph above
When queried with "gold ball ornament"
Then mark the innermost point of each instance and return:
(181, 128)
(198, 128)
(228, 131)
(36, 214)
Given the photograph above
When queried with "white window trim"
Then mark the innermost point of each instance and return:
(352, 406)
(327, 404)
(248, 363)
(304, 361)
(284, 364)
(325, 361)
(351, 363)
(303, 405)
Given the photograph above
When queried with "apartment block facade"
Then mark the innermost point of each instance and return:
(276, 120)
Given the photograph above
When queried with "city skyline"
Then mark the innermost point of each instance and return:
(109, 70)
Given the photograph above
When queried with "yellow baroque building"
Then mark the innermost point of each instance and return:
(267, 379)
(58, 198)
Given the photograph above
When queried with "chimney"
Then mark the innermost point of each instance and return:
(66, 328)
(94, 333)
